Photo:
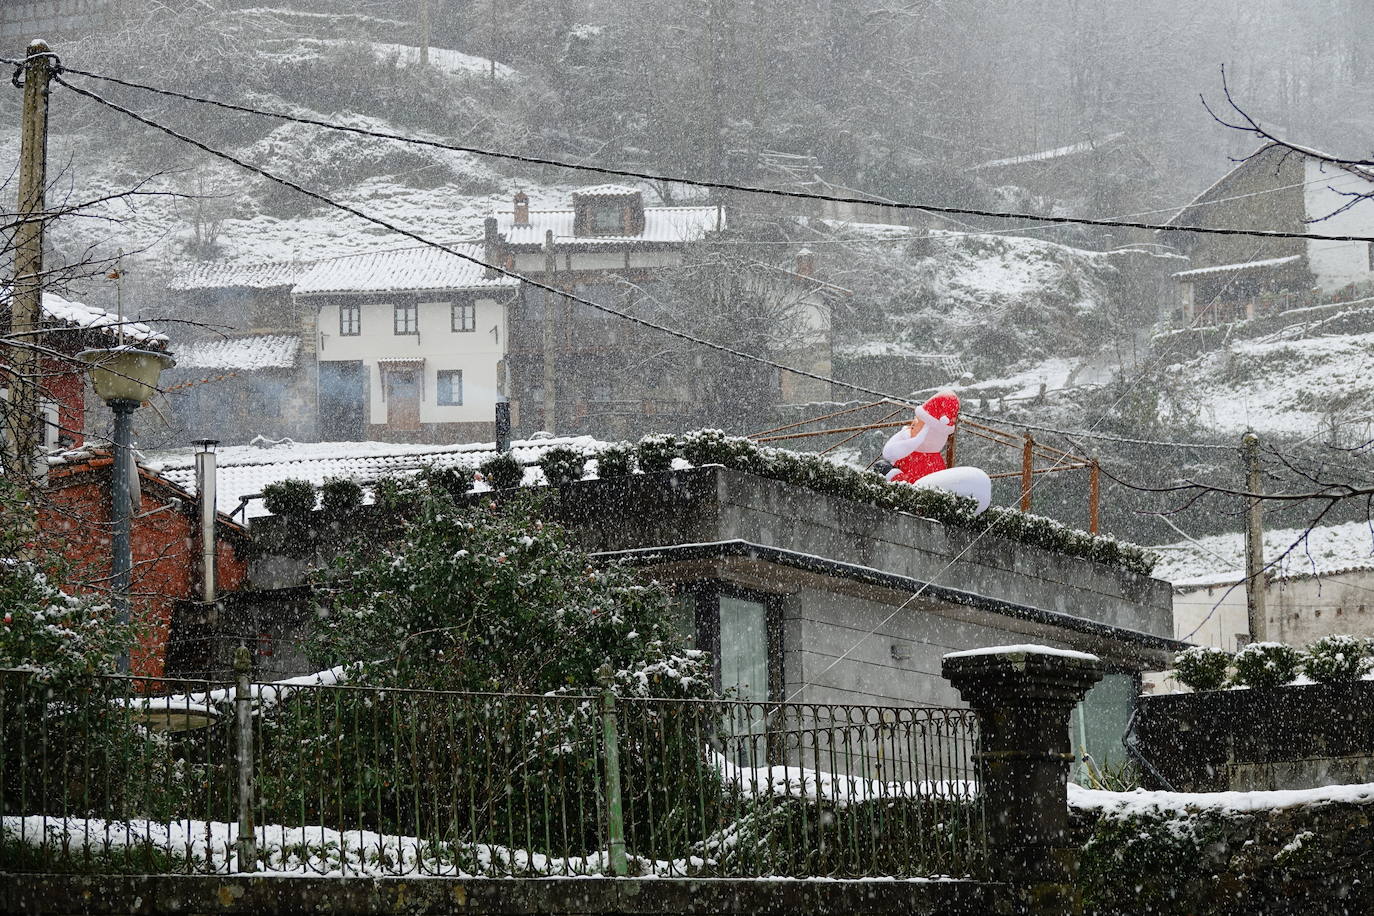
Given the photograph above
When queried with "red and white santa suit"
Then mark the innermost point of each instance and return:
(915, 456)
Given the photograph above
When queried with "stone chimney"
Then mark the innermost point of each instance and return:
(806, 263)
(522, 209)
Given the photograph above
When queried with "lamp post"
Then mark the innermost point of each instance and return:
(123, 377)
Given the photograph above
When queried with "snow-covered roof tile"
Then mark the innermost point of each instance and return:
(1220, 558)
(246, 354)
(1263, 264)
(417, 268)
(224, 275)
(661, 225)
(246, 469)
(92, 317)
(606, 190)
(1085, 146)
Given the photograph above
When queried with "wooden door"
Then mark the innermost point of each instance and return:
(403, 399)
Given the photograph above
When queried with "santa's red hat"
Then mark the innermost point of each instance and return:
(943, 406)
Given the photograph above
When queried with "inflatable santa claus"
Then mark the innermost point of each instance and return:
(916, 452)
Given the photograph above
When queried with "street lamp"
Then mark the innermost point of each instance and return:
(123, 377)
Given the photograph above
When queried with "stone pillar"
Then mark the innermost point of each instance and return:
(1024, 695)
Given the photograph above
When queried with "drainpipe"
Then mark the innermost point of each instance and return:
(205, 498)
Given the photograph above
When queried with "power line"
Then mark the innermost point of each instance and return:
(697, 182)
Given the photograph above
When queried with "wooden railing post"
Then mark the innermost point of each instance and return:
(1027, 472)
(1094, 495)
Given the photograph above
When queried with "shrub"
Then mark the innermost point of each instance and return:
(562, 465)
(1267, 664)
(502, 472)
(340, 496)
(1202, 667)
(1332, 659)
(398, 496)
(656, 453)
(615, 460)
(291, 499)
(456, 481)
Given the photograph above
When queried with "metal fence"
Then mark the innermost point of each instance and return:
(159, 776)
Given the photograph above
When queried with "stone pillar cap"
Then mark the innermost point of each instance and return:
(1021, 673)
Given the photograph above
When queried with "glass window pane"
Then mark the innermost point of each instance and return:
(744, 647)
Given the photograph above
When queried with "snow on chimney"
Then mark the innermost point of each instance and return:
(522, 209)
(806, 263)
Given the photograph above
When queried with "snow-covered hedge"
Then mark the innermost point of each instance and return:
(815, 472)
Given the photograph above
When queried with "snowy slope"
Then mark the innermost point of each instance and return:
(1221, 557)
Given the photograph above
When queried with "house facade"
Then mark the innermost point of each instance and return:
(1235, 278)
(410, 344)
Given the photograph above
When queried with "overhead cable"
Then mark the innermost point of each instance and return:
(700, 182)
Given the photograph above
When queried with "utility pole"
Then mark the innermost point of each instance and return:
(550, 335)
(1254, 540)
(23, 423)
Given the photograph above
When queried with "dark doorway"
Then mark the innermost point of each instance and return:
(343, 401)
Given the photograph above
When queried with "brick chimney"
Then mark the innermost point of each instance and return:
(806, 263)
(522, 209)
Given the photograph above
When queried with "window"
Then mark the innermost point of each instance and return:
(350, 320)
(406, 319)
(608, 219)
(450, 387)
(464, 317)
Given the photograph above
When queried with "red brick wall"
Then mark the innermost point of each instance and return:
(75, 520)
(68, 388)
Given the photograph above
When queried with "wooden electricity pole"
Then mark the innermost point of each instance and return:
(23, 422)
(1254, 540)
(424, 33)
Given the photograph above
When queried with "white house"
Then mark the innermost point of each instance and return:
(410, 343)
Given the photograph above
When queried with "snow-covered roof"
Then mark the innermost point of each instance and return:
(1085, 146)
(228, 275)
(91, 317)
(606, 190)
(1220, 558)
(422, 267)
(246, 354)
(661, 225)
(246, 469)
(1217, 269)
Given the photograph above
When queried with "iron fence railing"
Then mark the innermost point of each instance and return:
(156, 776)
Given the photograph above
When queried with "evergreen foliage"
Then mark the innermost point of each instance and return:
(562, 465)
(502, 472)
(340, 497)
(1202, 667)
(616, 460)
(290, 499)
(1266, 664)
(1337, 658)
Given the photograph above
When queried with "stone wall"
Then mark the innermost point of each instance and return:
(1277, 738)
(24, 20)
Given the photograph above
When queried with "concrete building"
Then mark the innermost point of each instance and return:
(799, 596)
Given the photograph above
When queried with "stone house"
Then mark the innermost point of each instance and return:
(1323, 587)
(1233, 278)
(575, 370)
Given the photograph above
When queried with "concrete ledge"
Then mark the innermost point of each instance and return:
(186, 895)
